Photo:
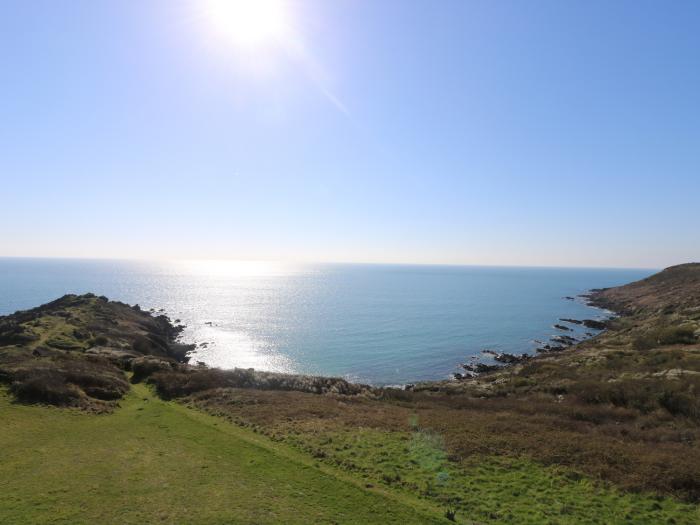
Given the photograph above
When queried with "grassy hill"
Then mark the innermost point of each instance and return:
(156, 462)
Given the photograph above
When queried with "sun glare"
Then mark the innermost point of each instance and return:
(249, 23)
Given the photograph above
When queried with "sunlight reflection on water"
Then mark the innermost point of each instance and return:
(383, 324)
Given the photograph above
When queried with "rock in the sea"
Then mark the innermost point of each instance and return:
(592, 323)
(564, 339)
(572, 321)
(546, 349)
(479, 368)
(510, 359)
(562, 327)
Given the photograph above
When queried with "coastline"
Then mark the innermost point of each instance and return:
(628, 393)
(560, 342)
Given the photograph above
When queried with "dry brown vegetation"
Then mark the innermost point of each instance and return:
(633, 450)
(182, 381)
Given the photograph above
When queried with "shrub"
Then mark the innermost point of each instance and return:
(669, 335)
(97, 379)
(644, 342)
(100, 340)
(680, 403)
(44, 386)
(185, 381)
(145, 367)
(677, 396)
(142, 345)
(60, 378)
(682, 335)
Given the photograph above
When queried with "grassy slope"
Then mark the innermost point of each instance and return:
(155, 461)
(152, 461)
(491, 489)
(401, 448)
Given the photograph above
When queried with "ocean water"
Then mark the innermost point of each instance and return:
(382, 324)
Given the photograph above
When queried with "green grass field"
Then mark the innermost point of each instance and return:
(157, 462)
(489, 489)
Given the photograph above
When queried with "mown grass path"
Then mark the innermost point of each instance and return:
(157, 462)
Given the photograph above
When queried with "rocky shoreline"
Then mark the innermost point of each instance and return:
(556, 343)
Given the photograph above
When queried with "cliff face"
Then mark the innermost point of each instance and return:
(74, 350)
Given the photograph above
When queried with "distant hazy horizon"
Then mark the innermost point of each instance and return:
(253, 261)
(464, 132)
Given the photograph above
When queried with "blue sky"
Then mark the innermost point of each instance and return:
(460, 132)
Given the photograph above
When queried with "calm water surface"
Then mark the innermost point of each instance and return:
(382, 324)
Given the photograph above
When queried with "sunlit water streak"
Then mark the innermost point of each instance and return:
(384, 324)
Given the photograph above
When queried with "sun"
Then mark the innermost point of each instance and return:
(249, 23)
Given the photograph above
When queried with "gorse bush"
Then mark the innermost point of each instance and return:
(669, 335)
(144, 367)
(677, 335)
(65, 379)
(678, 396)
(182, 382)
(44, 386)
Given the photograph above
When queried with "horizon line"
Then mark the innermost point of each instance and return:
(331, 262)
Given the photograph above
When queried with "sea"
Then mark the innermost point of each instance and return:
(377, 324)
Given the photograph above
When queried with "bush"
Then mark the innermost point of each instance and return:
(680, 403)
(66, 379)
(100, 340)
(677, 396)
(44, 386)
(677, 335)
(97, 380)
(142, 345)
(670, 335)
(185, 381)
(179, 383)
(145, 367)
